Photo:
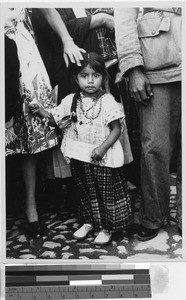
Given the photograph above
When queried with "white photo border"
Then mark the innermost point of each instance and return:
(59, 4)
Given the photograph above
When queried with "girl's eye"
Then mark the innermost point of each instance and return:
(97, 75)
(83, 75)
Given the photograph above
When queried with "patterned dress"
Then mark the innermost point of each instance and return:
(104, 197)
(26, 133)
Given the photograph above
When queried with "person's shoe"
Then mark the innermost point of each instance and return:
(103, 238)
(34, 229)
(146, 234)
(83, 231)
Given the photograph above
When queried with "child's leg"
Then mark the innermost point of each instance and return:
(91, 181)
(82, 179)
(114, 199)
(29, 175)
(114, 202)
(88, 205)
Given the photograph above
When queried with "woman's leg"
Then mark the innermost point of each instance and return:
(29, 163)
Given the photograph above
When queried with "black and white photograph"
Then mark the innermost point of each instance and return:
(93, 142)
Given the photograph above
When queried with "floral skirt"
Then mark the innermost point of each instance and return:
(24, 139)
(27, 133)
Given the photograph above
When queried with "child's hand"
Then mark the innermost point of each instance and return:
(97, 154)
(37, 109)
(34, 108)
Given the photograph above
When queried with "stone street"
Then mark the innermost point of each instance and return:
(58, 242)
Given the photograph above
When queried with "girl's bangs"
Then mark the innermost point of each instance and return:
(97, 66)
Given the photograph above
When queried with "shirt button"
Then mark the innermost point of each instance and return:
(153, 32)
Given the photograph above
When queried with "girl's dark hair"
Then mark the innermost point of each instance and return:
(94, 60)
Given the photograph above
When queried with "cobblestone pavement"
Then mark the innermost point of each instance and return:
(59, 243)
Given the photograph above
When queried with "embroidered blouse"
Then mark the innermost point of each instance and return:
(91, 128)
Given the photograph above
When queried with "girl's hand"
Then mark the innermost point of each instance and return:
(72, 53)
(36, 109)
(98, 154)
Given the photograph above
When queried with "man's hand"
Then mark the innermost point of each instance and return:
(139, 86)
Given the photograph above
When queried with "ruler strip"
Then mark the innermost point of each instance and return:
(61, 282)
(141, 291)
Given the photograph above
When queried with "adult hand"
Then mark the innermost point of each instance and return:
(102, 19)
(139, 86)
(72, 53)
(109, 21)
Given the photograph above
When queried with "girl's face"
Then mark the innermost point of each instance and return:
(89, 81)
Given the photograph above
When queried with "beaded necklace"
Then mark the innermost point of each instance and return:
(87, 115)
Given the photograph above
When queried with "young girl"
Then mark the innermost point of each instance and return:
(93, 122)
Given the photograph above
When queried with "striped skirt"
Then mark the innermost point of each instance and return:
(104, 197)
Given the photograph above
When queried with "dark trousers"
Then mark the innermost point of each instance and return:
(160, 127)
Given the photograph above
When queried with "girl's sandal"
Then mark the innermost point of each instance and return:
(103, 238)
(83, 232)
